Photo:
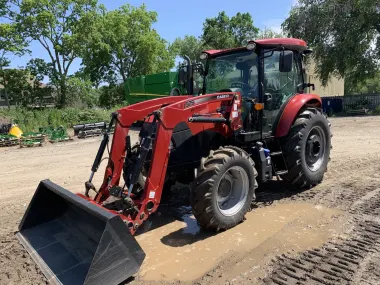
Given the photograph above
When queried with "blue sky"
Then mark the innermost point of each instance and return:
(177, 19)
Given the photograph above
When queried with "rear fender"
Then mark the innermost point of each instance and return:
(288, 114)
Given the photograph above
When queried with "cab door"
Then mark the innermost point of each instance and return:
(278, 87)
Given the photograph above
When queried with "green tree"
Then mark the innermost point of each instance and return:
(11, 42)
(268, 33)
(224, 32)
(38, 69)
(59, 26)
(18, 85)
(123, 44)
(189, 45)
(80, 93)
(112, 95)
(367, 86)
(345, 36)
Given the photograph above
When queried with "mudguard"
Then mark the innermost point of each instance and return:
(291, 109)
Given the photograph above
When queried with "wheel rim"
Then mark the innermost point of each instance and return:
(315, 148)
(232, 191)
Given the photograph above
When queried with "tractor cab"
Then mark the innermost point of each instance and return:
(267, 73)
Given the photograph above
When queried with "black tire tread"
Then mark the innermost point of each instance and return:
(208, 172)
(292, 148)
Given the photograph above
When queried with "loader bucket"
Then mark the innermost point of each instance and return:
(75, 241)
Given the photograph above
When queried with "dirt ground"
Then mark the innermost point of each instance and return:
(326, 235)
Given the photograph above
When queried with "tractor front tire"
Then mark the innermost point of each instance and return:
(307, 148)
(224, 188)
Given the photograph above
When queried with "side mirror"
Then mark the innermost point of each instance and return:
(286, 61)
(240, 65)
(182, 76)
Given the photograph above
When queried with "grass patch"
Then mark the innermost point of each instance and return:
(31, 120)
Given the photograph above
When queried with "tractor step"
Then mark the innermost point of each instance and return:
(249, 136)
(277, 156)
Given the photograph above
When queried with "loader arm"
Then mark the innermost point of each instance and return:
(125, 117)
(216, 111)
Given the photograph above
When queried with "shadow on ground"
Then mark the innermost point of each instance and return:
(276, 190)
(129, 280)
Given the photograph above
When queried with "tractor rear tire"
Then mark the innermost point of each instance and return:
(306, 148)
(224, 188)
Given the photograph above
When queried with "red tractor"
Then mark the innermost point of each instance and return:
(254, 122)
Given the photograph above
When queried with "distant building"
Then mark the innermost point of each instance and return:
(335, 86)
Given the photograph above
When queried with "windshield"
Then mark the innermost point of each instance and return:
(237, 70)
(240, 70)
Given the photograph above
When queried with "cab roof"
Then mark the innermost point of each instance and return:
(290, 43)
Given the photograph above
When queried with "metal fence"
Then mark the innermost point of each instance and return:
(362, 103)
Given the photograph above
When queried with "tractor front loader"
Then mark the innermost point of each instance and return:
(255, 122)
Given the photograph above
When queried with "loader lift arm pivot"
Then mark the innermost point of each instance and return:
(163, 114)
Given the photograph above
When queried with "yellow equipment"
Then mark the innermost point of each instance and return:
(15, 131)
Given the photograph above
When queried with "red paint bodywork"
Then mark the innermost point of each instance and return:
(291, 43)
(173, 110)
(291, 110)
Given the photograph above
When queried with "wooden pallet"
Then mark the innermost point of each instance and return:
(8, 142)
(31, 141)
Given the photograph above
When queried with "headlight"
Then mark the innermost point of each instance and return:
(203, 55)
(251, 45)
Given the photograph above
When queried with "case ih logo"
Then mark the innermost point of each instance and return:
(223, 96)
(205, 99)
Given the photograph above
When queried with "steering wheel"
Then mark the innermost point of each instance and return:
(283, 86)
(277, 99)
(242, 85)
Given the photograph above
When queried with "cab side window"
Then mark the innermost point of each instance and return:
(281, 85)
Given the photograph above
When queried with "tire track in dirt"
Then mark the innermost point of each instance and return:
(354, 260)
(332, 264)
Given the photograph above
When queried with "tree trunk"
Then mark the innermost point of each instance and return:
(6, 98)
(5, 89)
(62, 101)
(123, 76)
